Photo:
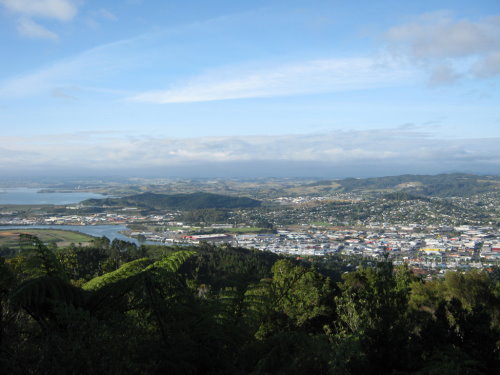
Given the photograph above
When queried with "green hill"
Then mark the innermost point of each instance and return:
(191, 201)
(442, 185)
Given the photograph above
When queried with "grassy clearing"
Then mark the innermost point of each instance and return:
(10, 237)
(321, 224)
(245, 230)
(174, 229)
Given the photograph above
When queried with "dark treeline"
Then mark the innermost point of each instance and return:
(115, 308)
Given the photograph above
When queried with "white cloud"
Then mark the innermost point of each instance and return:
(437, 35)
(31, 29)
(93, 67)
(307, 77)
(383, 149)
(443, 74)
(62, 10)
(488, 67)
(449, 48)
(26, 10)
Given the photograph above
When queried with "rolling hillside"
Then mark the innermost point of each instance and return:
(442, 185)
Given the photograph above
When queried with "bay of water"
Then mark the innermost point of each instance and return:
(32, 196)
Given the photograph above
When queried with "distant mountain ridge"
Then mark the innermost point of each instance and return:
(441, 185)
(190, 201)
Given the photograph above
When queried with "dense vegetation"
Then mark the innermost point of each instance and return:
(205, 215)
(114, 308)
(192, 201)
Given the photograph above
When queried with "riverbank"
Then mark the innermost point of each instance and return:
(10, 237)
(110, 231)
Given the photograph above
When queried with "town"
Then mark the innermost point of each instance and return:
(430, 234)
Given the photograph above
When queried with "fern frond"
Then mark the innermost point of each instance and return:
(110, 297)
(41, 293)
(107, 291)
(173, 261)
(125, 271)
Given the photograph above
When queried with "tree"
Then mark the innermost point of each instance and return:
(295, 298)
(372, 308)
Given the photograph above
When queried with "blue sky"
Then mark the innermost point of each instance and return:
(274, 88)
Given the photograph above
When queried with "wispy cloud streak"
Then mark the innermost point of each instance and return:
(307, 77)
(91, 67)
(31, 29)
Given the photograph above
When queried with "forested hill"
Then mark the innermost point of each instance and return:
(115, 308)
(442, 185)
(191, 201)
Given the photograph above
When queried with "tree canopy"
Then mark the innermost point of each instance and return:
(114, 308)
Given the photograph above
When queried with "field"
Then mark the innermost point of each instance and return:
(321, 224)
(10, 237)
(306, 189)
(245, 230)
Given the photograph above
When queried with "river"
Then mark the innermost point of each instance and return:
(30, 196)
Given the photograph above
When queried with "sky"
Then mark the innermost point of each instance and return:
(257, 88)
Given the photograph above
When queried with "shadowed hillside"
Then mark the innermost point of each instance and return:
(176, 201)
